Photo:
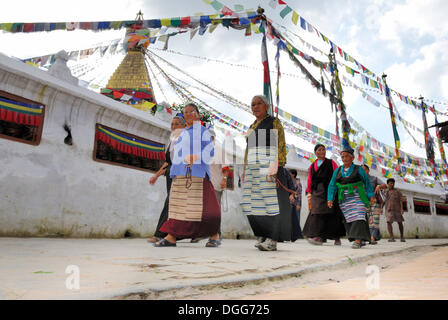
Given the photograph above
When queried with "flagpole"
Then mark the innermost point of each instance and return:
(339, 103)
(428, 140)
(267, 75)
(334, 107)
(392, 118)
(441, 148)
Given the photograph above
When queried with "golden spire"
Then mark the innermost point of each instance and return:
(132, 74)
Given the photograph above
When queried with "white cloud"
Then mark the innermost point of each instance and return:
(422, 18)
(422, 76)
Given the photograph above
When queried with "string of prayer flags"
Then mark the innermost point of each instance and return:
(227, 18)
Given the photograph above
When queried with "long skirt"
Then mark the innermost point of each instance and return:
(193, 212)
(358, 230)
(355, 216)
(263, 222)
(164, 214)
(296, 230)
(325, 225)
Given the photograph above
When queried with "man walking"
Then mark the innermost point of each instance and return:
(394, 209)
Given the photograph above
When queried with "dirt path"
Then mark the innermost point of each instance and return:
(415, 274)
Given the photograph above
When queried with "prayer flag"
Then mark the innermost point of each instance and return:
(350, 70)
(213, 27)
(226, 11)
(295, 17)
(392, 117)
(310, 27)
(216, 5)
(202, 29)
(285, 12)
(165, 22)
(303, 23)
(238, 7)
(441, 149)
(71, 26)
(185, 21)
(193, 33)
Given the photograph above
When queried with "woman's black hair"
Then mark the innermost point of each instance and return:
(294, 172)
(318, 146)
(390, 180)
(194, 106)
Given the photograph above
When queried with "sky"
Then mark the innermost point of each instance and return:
(406, 39)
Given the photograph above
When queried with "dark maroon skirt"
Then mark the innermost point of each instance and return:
(211, 218)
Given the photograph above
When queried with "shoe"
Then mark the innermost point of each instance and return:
(373, 242)
(195, 240)
(391, 240)
(154, 239)
(356, 245)
(164, 243)
(337, 242)
(260, 240)
(316, 241)
(402, 240)
(212, 243)
(268, 245)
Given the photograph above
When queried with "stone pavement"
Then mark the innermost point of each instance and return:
(47, 268)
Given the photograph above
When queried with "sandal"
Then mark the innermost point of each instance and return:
(154, 239)
(164, 243)
(195, 240)
(316, 241)
(356, 245)
(212, 243)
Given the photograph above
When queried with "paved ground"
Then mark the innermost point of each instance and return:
(421, 278)
(43, 268)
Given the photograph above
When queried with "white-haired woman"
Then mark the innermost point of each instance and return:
(177, 124)
(266, 206)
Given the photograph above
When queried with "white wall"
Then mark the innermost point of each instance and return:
(57, 189)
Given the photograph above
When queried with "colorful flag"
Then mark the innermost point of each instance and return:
(266, 77)
(303, 23)
(285, 12)
(442, 150)
(428, 139)
(295, 17)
